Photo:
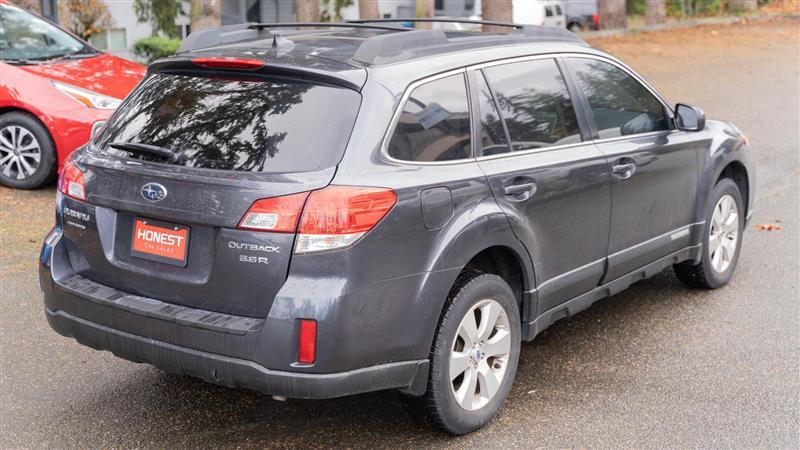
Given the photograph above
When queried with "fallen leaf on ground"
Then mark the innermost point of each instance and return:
(768, 227)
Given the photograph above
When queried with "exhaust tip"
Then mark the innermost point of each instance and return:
(279, 398)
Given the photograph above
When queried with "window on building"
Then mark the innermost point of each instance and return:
(113, 39)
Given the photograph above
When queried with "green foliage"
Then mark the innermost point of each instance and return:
(337, 9)
(634, 7)
(695, 7)
(160, 13)
(155, 47)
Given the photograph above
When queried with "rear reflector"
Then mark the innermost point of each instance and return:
(71, 183)
(277, 214)
(337, 216)
(307, 342)
(230, 63)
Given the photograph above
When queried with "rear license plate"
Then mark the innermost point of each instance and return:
(160, 241)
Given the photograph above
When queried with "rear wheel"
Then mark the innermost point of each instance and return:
(27, 155)
(474, 356)
(575, 27)
(722, 239)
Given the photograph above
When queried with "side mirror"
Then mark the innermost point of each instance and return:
(689, 118)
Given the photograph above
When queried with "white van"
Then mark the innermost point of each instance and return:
(539, 12)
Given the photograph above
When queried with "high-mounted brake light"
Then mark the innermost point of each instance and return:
(230, 63)
(337, 216)
(307, 342)
(277, 214)
(71, 183)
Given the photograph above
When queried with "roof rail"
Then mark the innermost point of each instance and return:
(537, 32)
(231, 34)
(389, 46)
(442, 20)
(353, 24)
(228, 34)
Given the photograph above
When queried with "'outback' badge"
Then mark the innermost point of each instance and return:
(154, 192)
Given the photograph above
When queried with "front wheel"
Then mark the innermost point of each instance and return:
(27, 154)
(474, 356)
(722, 239)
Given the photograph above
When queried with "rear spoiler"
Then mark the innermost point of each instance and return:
(351, 79)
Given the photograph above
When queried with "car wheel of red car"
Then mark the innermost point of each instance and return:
(27, 154)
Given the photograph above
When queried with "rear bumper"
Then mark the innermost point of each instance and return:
(235, 372)
(234, 351)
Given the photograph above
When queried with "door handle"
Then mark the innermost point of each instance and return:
(522, 191)
(623, 170)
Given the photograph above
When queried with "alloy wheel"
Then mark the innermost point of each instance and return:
(723, 234)
(20, 153)
(479, 357)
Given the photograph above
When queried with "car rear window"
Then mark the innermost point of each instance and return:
(256, 125)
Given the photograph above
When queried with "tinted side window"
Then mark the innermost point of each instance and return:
(535, 104)
(434, 124)
(493, 136)
(619, 103)
(548, 11)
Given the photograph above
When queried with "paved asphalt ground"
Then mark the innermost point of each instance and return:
(658, 365)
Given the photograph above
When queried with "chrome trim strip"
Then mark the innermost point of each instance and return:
(569, 272)
(660, 236)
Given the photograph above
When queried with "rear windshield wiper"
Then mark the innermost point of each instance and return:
(131, 147)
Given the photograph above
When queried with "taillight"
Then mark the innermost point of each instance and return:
(307, 342)
(595, 19)
(277, 214)
(333, 217)
(71, 183)
(337, 216)
(230, 63)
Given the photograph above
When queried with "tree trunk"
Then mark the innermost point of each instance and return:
(612, 14)
(306, 10)
(742, 5)
(205, 14)
(424, 8)
(368, 9)
(30, 5)
(655, 11)
(498, 11)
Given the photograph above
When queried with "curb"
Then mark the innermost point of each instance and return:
(726, 20)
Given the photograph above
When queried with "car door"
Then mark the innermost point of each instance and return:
(551, 182)
(653, 166)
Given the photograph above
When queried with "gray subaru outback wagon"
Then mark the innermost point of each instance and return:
(314, 211)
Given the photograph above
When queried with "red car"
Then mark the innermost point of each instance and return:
(53, 88)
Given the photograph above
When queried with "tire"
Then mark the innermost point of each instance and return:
(575, 27)
(490, 295)
(714, 271)
(27, 153)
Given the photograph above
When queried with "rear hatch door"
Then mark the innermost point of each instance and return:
(167, 227)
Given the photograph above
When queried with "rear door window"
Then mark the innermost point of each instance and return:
(534, 103)
(493, 135)
(256, 125)
(620, 104)
(434, 124)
